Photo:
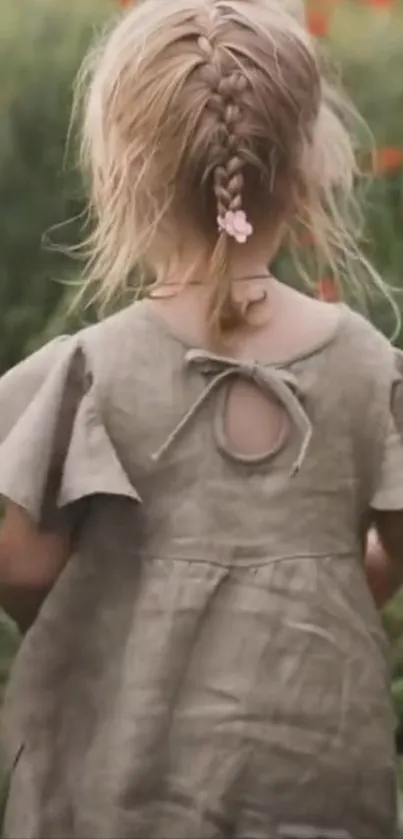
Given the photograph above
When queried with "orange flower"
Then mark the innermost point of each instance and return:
(380, 4)
(327, 290)
(317, 23)
(387, 159)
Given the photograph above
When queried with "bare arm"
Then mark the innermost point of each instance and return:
(384, 556)
(30, 563)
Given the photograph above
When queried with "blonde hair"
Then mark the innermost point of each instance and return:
(193, 108)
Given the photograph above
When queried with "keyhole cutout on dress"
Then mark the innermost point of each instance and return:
(254, 425)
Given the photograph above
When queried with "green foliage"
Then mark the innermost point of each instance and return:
(9, 641)
(393, 621)
(43, 42)
(42, 45)
(367, 45)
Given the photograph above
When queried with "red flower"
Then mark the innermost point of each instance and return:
(327, 290)
(318, 23)
(387, 159)
(380, 4)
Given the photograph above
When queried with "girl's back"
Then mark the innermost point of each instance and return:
(209, 661)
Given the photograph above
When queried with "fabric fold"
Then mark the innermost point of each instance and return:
(58, 450)
(388, 493)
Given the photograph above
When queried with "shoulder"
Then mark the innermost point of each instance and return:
(106, 347)
(36, 365)
(364, 351)
(361, 332)
(346, 339)
(336, 333)
(365, 365)
(19, 385)
(346, 331)
(356, 366)
(118, 342)
(54, 446)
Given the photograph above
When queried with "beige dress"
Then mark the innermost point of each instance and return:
(210, 663)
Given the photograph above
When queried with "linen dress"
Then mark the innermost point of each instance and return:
(210, 662)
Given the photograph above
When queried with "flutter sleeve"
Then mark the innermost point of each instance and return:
(388, 493)
(54, 447)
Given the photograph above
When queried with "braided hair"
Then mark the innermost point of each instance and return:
(225, 101)
(200, 115)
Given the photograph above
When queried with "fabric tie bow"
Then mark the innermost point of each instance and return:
(270, 379)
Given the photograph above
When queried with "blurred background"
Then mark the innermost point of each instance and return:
(42, 43)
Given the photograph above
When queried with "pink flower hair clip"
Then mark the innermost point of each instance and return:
(236, 225)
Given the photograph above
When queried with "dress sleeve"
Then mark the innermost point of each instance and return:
(388, 493)
(54, 447)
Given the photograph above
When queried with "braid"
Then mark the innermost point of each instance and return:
(225, 91)
(228, 177)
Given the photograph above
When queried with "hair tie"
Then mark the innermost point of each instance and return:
(236, 225)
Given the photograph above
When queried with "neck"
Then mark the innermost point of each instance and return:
(239, 269)
(250, 260)
(246, 260)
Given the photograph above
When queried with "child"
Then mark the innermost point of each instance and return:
(189, 483)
